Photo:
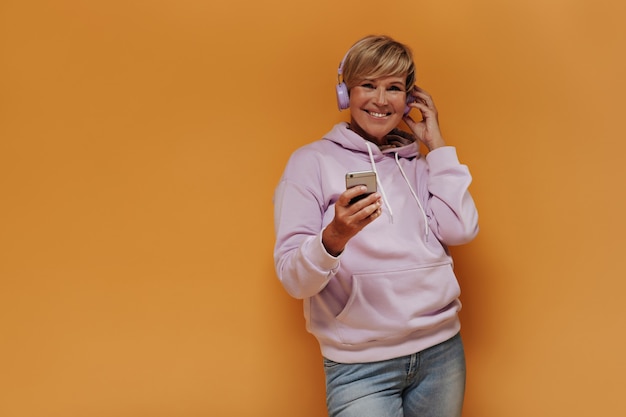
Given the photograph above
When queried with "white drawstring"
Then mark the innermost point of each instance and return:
(380, 185)
(382, 190)
(426, 227)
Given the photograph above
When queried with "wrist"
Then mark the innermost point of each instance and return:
(332, 241)
(436, 143)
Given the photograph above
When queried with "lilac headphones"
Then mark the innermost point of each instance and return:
(343, 97)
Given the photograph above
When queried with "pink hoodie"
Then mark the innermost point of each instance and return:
(392, 292)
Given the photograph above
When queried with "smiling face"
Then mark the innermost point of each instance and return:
(377, 106)
(377, 71)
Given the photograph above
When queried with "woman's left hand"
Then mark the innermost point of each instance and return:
(427, 130)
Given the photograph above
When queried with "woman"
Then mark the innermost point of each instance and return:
(376, 277)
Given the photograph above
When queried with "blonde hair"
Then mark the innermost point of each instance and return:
(377, 56)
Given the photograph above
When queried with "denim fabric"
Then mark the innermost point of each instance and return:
(430, 383)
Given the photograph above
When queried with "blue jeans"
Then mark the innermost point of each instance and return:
(430, 383)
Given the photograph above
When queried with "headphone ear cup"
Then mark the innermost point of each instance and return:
(410, 99)
(343, 100)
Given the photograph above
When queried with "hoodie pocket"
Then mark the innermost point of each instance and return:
(394, 304)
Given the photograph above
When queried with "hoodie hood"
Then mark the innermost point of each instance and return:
(399, 142)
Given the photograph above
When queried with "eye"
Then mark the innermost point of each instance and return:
(394, 88)
(368, 85)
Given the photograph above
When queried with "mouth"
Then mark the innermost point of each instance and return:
(377, 115)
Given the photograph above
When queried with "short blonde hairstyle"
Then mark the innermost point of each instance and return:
(377, 56)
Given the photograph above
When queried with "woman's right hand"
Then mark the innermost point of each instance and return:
(350, 219)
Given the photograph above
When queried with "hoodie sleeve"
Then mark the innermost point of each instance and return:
(302, 264)
(452, 212)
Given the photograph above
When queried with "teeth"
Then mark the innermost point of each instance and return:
(378, 114)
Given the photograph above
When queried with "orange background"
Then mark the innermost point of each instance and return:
(140, 143)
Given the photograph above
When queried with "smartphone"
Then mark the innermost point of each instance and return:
(367, 178)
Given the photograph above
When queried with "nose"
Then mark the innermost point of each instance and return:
(381, 96)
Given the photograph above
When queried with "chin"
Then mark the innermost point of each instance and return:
(380, 132)
(374, 130)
